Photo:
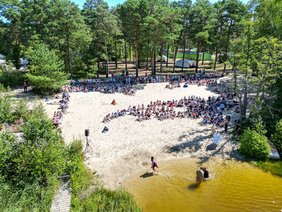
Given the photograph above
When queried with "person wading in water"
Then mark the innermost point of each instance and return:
(154, 164)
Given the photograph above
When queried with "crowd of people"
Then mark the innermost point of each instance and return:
(211, 110)
(58, 115)
(125, 84)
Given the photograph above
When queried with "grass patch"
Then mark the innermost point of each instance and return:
(33, 197)
(275, 167)
(106, 200)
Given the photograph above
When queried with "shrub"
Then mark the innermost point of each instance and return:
(6, 110)
(46, 70)
(37, 157)
(111, 201)
(47, 84)
(10, 110)
(277, 137)
(33, 197)
(11, 78)
(275, 167)
(253, 145)
(79, 174)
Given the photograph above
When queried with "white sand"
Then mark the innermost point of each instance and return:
(128, 144)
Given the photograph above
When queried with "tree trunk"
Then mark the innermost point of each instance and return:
(116, 59)
(235, 76)
(152, 62)
(167, 55)
(125, 54)
(136, 62)
(155, 61)
(174, 58)
(226, 47)
(130, 53)
(98, 65)
(176, 50)
(245, 100)
(147, 61)
(161, 67)
(245, 103)
(107, 67)
(215, 59)
(197, 58)
(183, 55)
(203, 58)
(69, 54)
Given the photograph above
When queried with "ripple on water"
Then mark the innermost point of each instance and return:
(236, 187)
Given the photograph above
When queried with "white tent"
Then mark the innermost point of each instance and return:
(186, 63)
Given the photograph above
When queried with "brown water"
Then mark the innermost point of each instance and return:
(236, 186)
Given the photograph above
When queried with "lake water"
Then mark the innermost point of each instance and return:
(235, 186)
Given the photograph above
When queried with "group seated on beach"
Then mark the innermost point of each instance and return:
(125, 84)
(210, 110)
(58, 115)
(98, 86)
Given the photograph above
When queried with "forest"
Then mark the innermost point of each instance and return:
(62, 42)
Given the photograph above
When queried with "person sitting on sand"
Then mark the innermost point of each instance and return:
(106, 129)
(114, 102)
(154, 164)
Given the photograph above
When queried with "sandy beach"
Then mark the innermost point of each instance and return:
(128, 144)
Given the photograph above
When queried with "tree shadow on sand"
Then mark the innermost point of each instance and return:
(147, 174)
(17, 94)
(232, 154)
(194, 144)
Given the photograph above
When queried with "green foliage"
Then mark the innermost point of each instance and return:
(253, 145)
(275, 167)
(33, 197)
(101, 199)
(29, 163)
(21, 110)
(2, 88)
(80, 176)
(277, 137)
(269, 11)
(46, 70)
(35, 158)
(11, 78)
(112, 201)
(6, 110)
(47, 85)
(11, 111)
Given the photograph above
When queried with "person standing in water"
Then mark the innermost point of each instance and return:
(199, 175)
(154, 164)
(206, 173)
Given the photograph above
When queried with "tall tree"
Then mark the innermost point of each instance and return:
(103, 25)
(46, 70)
(199, 18)
(11, 40)
(67, 33)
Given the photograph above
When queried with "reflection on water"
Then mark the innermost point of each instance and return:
(235, 186)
